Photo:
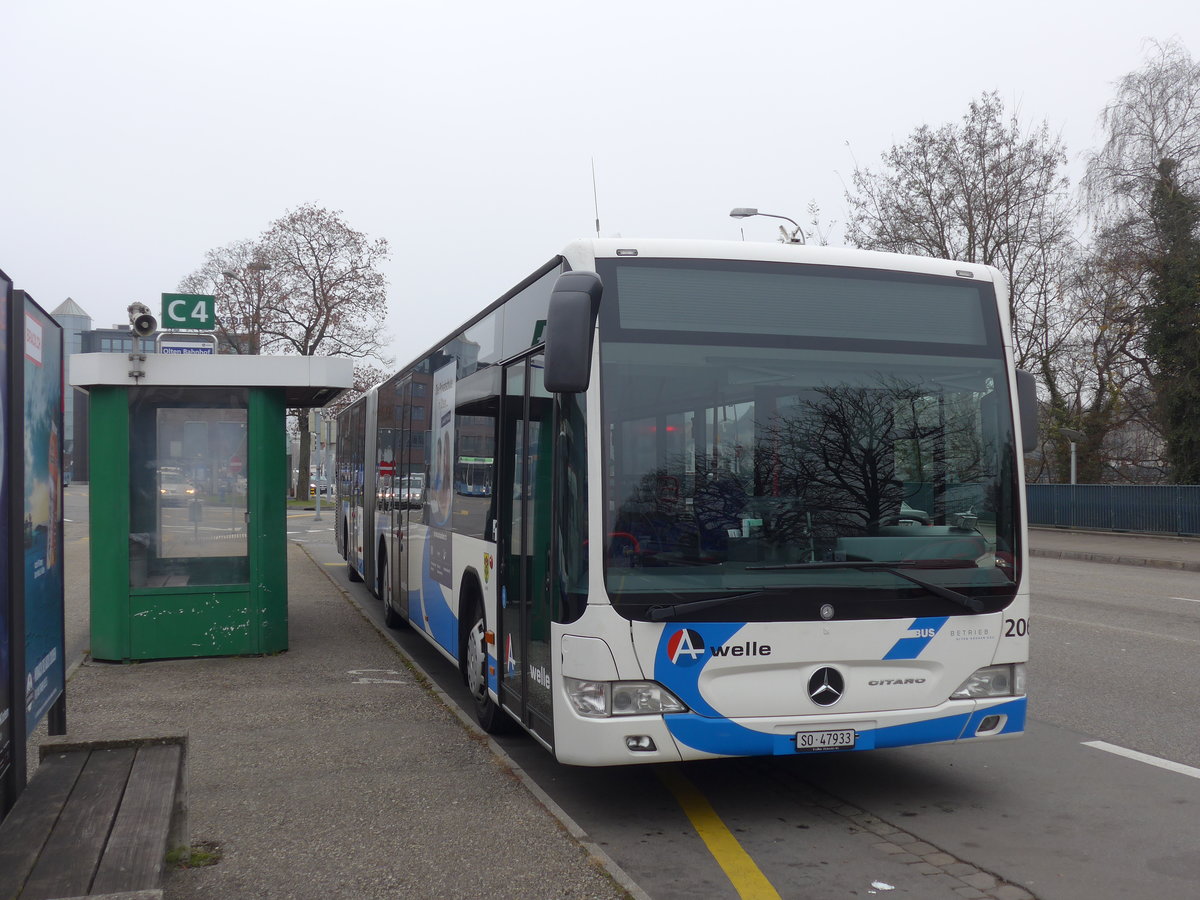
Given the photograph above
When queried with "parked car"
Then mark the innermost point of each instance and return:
(174, 489)
(386, 498)
(411, 491)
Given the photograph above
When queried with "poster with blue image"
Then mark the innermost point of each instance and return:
(6, 550)
(43, 404)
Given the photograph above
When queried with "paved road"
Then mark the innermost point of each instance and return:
(1113, 654)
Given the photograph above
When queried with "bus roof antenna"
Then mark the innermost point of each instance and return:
(595, 197)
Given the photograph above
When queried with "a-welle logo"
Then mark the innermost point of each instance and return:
(686, 647)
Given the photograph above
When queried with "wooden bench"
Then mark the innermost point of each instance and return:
(97, 818)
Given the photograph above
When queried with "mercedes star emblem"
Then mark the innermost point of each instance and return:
(826, 686)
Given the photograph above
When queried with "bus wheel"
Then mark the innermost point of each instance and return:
(351, 573)
(391, 618)
(491, 717)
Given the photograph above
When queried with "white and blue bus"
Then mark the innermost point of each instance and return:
(743, 499)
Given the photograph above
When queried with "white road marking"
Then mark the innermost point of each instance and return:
(1178, 768)
(1137, 631)
(1186, 599)
(366, 680)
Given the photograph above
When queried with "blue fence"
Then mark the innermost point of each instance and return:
(1159, 509)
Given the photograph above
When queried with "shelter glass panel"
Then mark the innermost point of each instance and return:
(188, 487)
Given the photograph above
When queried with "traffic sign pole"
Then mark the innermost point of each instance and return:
(317, 489)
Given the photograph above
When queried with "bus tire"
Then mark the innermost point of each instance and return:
(490, 716)
(351, 572)
(391, 618)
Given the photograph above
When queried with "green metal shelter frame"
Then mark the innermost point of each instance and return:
(188, 521)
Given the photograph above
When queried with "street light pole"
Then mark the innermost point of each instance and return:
(745, 212)
(256, 326)
(254, 320)
(1073, 436)
(317, 491)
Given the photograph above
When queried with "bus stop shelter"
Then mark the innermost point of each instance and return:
(187, 498)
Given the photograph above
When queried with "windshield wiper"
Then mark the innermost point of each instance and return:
(892, 568)
(662, 613)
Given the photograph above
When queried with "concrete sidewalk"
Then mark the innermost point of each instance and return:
(1155, 551)
(333, 771)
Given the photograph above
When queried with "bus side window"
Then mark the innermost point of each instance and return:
(571, 497)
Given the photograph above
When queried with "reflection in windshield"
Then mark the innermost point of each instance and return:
(725, 467)
(862, 456)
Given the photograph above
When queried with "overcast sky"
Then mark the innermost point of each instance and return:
(138, 134)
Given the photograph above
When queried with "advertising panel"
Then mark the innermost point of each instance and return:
(441, 501)
(6, 553)
(43, 556)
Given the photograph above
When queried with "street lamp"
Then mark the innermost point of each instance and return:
(795, 237)
(1073, 436)
(251, 322)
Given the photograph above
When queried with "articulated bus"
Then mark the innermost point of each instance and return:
(687, 499)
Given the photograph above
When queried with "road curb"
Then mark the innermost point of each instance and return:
(1087, 556)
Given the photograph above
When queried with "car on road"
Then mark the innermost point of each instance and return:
(174, 489)
(411, 492)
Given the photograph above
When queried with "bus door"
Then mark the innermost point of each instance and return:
(401, 497)
(524, 545)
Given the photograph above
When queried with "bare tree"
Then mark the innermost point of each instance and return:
(983, 191)
(1154, 116)
(986, 191)
(1096, 381)
(1143, 189)
(248, 295)
(333, 296)
(366, 376)
(309, 285)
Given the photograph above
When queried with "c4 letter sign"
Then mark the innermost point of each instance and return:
(181, 312)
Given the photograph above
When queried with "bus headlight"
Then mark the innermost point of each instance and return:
(601, 699)
(993, 681)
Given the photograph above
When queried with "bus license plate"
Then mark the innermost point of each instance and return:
(841, 739)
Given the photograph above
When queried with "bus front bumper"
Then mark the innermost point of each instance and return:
(624, 740)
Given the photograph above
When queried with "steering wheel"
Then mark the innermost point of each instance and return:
(905, 517)
(625, 535)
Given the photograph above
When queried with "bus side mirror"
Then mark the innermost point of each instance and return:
(570, 323)
(1027, 406)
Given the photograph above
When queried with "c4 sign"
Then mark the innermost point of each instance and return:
(196, 312)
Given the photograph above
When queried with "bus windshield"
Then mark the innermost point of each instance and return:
(806, 442)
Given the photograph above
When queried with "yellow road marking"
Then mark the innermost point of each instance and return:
(748, 880)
